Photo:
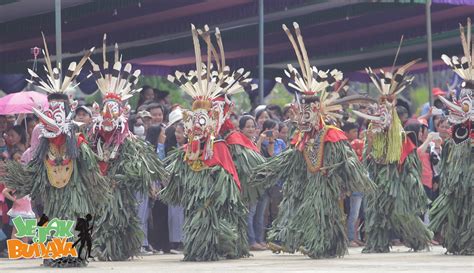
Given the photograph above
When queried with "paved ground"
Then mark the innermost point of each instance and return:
(399, 260)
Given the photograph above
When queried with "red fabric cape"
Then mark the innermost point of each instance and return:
(407, 148)
(237, 138)
(335, 135)
(61, 139)
(221, 156)
(332, 135)
(226, 126)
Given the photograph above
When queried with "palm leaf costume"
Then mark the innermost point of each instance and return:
(215, 216)
(395, 206)
(129, 164)
(452, 212)
(246, 156)
(317, 169)
(85, 191)
(204, 179)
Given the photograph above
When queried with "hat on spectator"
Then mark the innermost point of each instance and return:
(144, 114)
(438, 92)
(259, 108)
(85, 109)
(423, 122)
(175, 116)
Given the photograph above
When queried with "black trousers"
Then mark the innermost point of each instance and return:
(158, 234)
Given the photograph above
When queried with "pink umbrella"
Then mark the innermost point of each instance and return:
(22, 102)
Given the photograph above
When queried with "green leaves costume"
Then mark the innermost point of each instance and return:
(395, 207)
(204, 179)
(130, 165)
(245, 158)
(119, 235)
(452, 212)
(215, 216)
(310, 218)
(86, 192)
(319, 168)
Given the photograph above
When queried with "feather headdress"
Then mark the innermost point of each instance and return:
(464, 66)
(311, 84)
(310, 81)
(206, 84)
(388, 141)
(118, 81)
(54, 84)
(117, 84)
(58, 118)
(462, 109)
(389, 84)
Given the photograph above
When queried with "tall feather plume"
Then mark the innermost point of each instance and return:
(296, 49)
(221, 46)
(104, 52)
(398, 51)
(116, 53)
(53, 82)
(197, 52)
(395, 81)
(312, 82)
(389, 84)
(299, 37)
(120, 80)
(207, 83)
(463, 67)
(399, 80)
(69, 75)
(219, 57)
(310, 79)
(46, 56)
(76, 70)
(458, 113)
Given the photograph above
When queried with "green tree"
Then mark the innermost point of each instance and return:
(279, 96)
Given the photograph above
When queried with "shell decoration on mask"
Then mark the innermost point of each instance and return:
(117, 84)
(205, 85)
(58, 119)
(461, 109)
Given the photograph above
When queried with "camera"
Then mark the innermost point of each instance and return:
(434, 156)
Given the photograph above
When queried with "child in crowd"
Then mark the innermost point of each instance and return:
(21, 206)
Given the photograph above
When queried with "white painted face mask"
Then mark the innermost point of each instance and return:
(139, 131)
